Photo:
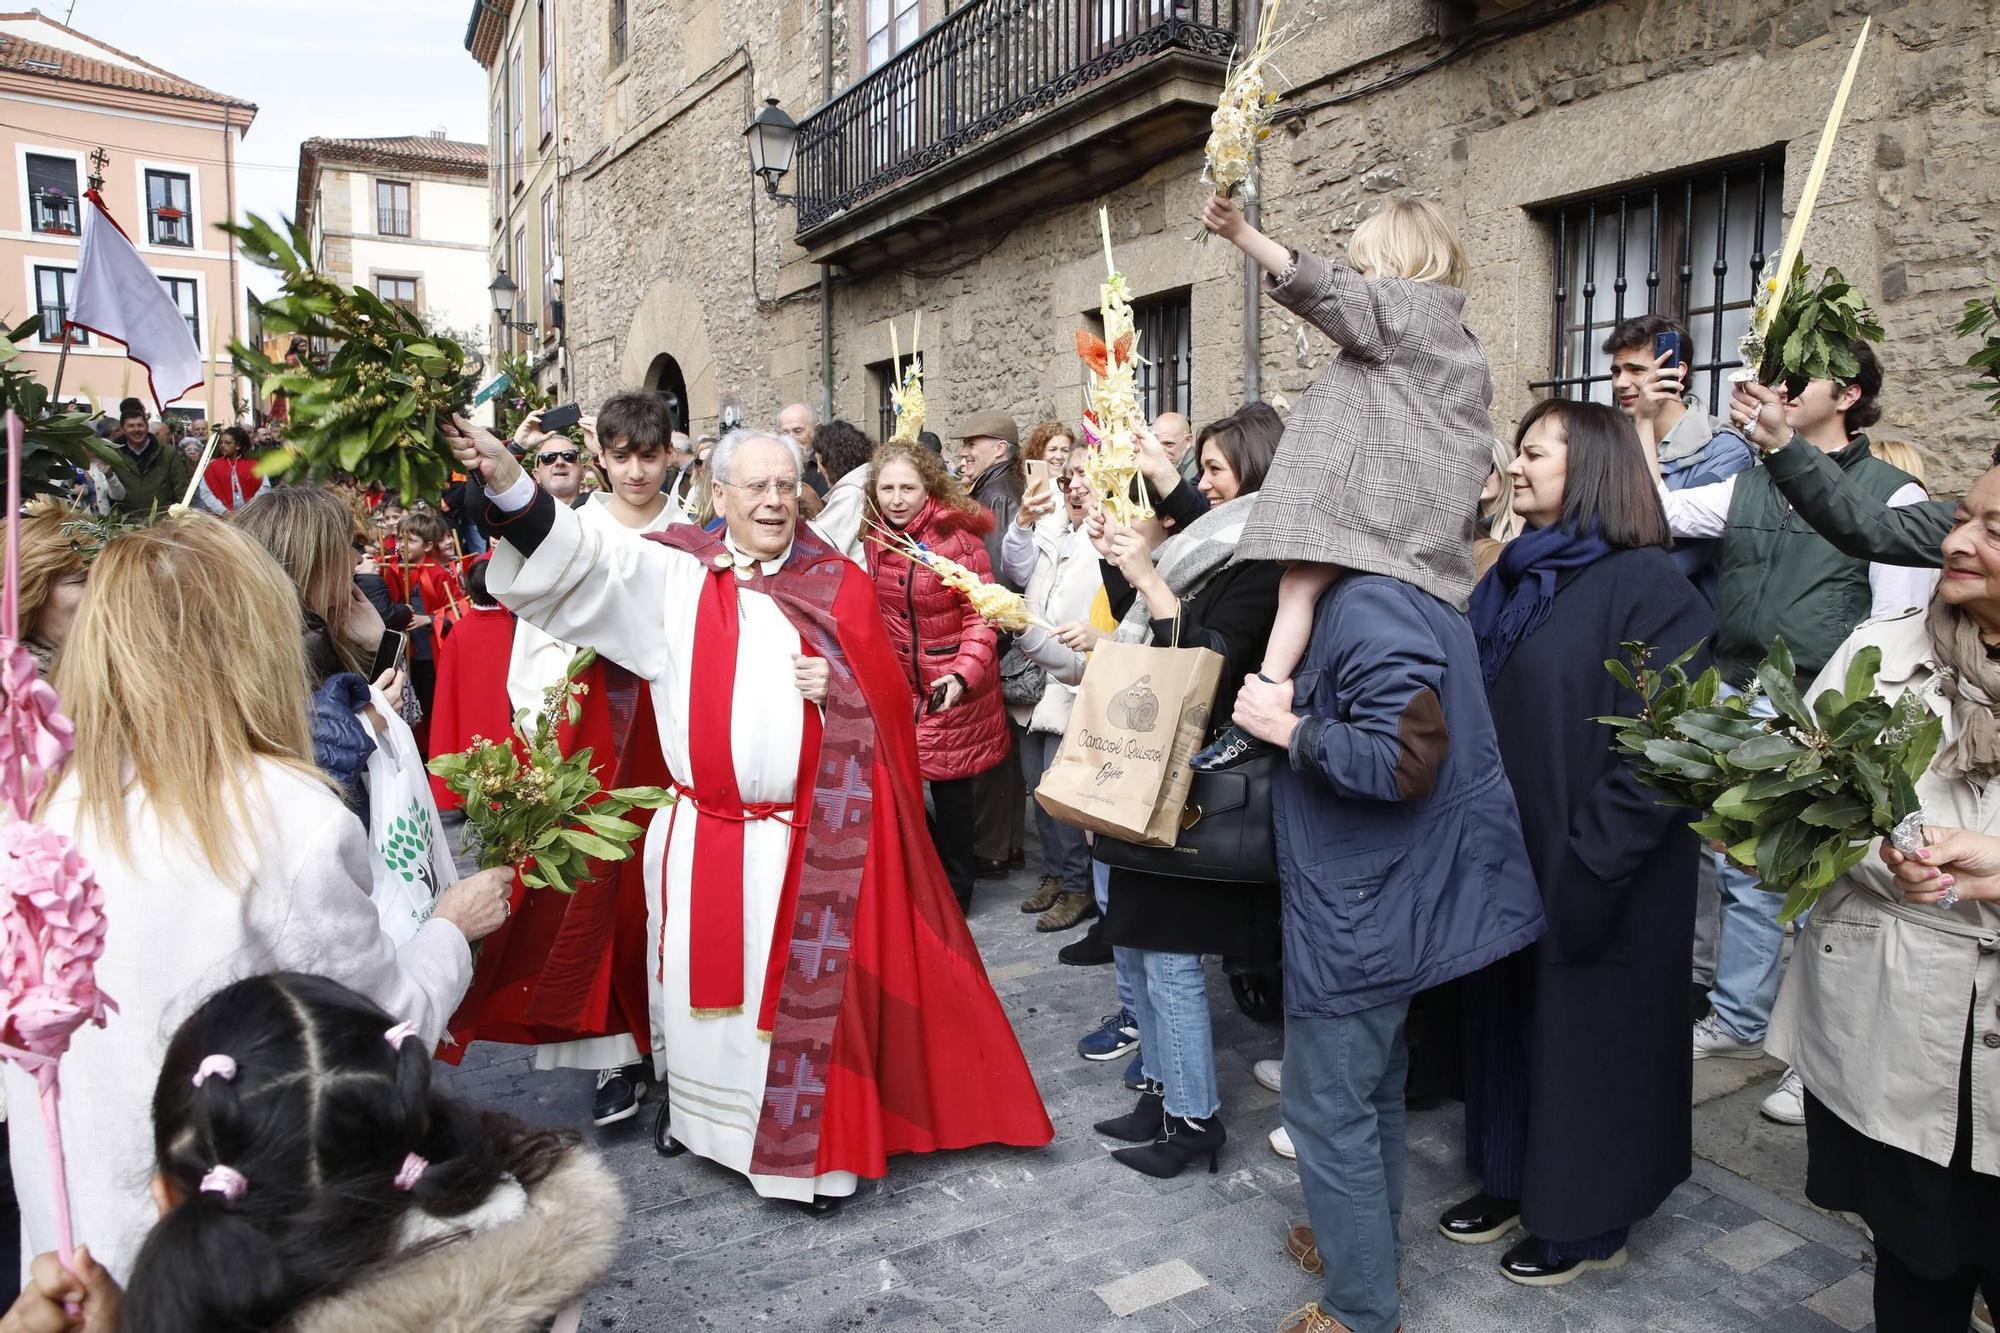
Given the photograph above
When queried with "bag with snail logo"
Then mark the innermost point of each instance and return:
(1140, 715)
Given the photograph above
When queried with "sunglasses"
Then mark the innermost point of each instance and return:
(559, 456)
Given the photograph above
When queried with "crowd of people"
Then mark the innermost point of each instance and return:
(1412, 616)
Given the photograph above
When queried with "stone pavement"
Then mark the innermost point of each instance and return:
(1064, 1239)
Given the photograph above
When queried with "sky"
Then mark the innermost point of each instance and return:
(346, 69)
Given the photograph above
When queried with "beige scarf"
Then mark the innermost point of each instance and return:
(1970, 681)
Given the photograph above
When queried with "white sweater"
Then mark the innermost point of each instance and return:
(174, 935)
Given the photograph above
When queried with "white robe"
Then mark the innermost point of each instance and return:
(635, 603)
(538, 661)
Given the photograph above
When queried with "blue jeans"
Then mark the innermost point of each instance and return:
(1752, 942)
(1125, 962)
(1065, 855)
(1171, 1004)
(1343, 1106)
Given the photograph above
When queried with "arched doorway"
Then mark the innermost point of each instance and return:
(664, 377)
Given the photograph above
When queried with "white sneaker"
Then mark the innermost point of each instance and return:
(1787, 1104)
(1711, 1038)
(1281, 1144)
(1269, 1073)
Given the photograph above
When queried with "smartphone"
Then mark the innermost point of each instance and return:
(389, 654)
(936, 699)
(561, 418)
(1669, 345)
(1038, 470)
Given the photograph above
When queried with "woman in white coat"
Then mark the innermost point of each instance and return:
(222, 850)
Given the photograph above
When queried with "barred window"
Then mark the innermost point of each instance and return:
(882, 378)
(1165, 334)
(1690, 246)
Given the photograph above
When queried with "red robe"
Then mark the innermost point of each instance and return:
(232, 481)
(471, 699)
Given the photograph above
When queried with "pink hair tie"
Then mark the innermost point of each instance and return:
(396, 1035)
(226, 1181)
(215, 1066)
(413, 1171)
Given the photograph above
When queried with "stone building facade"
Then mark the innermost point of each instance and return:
(1596, 156)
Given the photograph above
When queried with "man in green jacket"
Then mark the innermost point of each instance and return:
(160, 474)
(1856, 522)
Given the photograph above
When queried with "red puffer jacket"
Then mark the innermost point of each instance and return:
(935, 633)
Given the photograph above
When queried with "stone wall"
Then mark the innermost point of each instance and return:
(1389, 96)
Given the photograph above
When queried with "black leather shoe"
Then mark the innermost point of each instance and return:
(619, 1092)
(1232, 747)
(1143, 1123)
(986, 869)
(1480, 1219)
(663, 1131)
(1526, 1265)
(821, 1205)
(1090, 951)
(1182, 1140)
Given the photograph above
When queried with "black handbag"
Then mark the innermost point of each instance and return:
(1226, 834)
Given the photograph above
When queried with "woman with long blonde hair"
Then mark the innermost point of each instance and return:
(1498, 523)
(221, 849)
(52, 577)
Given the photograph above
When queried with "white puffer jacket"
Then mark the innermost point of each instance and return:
(1065, 583)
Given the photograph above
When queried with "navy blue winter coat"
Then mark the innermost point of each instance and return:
(1399, 845)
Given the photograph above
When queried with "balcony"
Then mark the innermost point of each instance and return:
(170, 226)
(1004, 105)
(392, 221)
(54, 214)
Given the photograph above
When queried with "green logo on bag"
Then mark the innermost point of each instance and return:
(407, 849)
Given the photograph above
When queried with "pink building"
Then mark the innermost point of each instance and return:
(169, 149)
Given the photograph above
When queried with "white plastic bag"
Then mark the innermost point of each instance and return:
(409, 851)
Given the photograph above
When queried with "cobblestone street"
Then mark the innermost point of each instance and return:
(1066, 1239)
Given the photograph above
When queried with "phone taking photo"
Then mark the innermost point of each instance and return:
(1667, 343)
(1038, 470)
(390, 654)
(561, 418)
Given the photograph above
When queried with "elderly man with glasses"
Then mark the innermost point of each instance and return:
(555, 460)
(811, 980)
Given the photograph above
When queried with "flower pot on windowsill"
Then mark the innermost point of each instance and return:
(58, 231)
(173, 214)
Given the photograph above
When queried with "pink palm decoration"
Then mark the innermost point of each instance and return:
(52, 931)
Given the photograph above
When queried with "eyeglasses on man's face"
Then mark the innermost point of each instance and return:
(558, 456)
(784, 488)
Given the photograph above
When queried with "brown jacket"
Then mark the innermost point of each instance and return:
(514, 1278)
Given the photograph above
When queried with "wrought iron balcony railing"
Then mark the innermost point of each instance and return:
(986, 66)
(54, 214)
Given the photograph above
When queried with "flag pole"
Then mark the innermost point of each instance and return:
(62, 360)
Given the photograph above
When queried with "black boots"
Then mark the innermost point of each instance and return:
(1145, 1120)
(1182, 1140)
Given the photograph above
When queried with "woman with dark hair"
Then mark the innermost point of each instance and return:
(844, 455)
(948, 653)
(309, 1176)
(1578, 1084)
(1236, 452)
(231, 476)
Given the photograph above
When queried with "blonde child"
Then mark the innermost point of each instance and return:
(1381, 464)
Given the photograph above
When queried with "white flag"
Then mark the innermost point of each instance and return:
(120, 298)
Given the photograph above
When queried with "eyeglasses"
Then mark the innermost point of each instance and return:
(559, 456)
(785, 488)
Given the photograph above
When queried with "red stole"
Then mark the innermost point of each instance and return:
(232, 480)
(715, 901)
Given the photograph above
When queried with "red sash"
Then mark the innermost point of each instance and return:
(715, 895)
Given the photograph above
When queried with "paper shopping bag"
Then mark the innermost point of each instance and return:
(1140, 715)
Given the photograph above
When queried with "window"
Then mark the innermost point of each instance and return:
(499, 150)
(392, 208)
(52, 195)
(1691, 247)
(185, 296)
(522, 312)
(1164, 336)
(516, 90)
(892, 25)
(169, 208)
(548, 245)
(55, 288)
(618, 32)
(546, 67)
(881, 377)
(399, 291)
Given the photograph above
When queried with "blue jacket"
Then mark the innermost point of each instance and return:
(1399, 847)
(1721, 457)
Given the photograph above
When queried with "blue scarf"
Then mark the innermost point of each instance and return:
(1516, 595)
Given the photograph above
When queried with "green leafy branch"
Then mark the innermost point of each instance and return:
(1982, 316)
(56, 443)
(544, 813)
(1811, 335)
(1799, 797)
(373, 410)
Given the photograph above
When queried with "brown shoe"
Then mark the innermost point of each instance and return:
(1312, 1319)
(1299, 1244)
(1044, 897)
(1069, 910)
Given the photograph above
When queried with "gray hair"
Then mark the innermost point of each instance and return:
(721, 463)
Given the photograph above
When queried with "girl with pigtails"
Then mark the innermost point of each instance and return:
(310, 1179)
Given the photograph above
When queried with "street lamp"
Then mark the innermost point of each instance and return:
(504, 292)
(773, 136)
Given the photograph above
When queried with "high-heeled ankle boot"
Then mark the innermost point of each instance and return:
(1182, 1139)
(1144, 1122)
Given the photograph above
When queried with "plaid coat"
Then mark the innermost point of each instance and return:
(1382, 461)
